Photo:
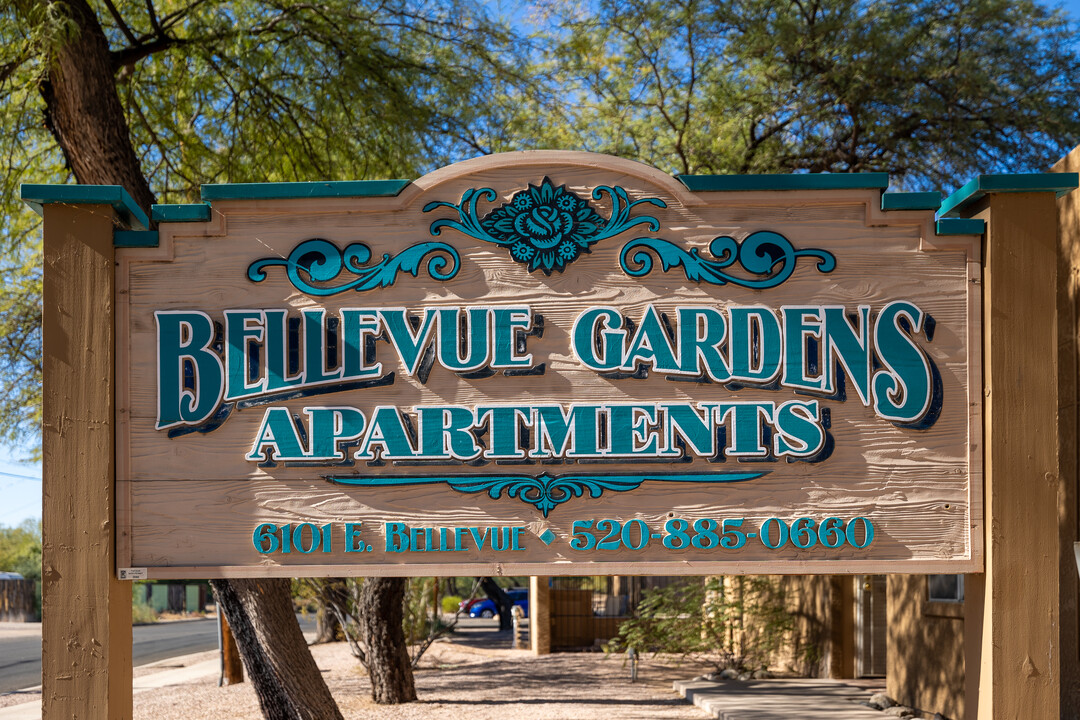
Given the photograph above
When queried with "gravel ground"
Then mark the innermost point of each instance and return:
(458, 681)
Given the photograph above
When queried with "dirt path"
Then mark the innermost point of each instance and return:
(457, 681)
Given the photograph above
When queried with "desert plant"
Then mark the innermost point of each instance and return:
(735, 622)
(141, 612)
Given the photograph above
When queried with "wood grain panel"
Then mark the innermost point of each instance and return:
(194, 499)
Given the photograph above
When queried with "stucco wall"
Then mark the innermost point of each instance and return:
(926, 649)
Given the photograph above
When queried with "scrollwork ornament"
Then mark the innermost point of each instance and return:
(315, 263)
(544, 492)
(766, 254)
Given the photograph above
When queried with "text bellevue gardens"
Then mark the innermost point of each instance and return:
(809, 349)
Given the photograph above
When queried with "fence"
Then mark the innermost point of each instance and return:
(587, 611)
(17, 601)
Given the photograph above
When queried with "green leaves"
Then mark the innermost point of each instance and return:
(235, 91)
(20, 549)
(738, 622)
(931, 91)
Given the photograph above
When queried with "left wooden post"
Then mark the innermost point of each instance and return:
(86, 611)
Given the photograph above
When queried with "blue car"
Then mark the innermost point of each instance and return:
(487, 609)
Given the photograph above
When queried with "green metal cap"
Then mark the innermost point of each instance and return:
(129, 213)
(1057, 183)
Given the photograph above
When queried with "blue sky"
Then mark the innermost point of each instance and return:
(20, 483)
(20, 488)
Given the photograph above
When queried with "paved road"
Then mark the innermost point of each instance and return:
(20, 647)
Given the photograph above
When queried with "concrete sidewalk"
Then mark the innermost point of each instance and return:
(779, 699)
(191, 669)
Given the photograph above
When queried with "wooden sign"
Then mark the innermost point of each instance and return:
(550, 363)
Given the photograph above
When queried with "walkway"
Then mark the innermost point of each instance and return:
(782, 699)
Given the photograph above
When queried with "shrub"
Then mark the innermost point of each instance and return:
(737, 622)
(141, 612)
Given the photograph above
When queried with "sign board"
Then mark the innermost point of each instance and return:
(550, 363)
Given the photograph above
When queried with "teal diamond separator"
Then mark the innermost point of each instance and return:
(547, 537)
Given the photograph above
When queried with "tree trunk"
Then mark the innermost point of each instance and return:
(83, 110)
(382, 612)
(326, 625)
(286, 680)
(84, 113)
(233, 671)
(177, 598)
(501, 600)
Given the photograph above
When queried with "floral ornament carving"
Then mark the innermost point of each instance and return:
(544, 227)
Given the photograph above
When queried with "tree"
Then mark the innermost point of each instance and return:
(164, 95)
(367, 612)
(273, 648)
(20, 549)
(501, 600)
(160, 97)
(931, 91)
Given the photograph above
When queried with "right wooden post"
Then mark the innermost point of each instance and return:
(1013, 658)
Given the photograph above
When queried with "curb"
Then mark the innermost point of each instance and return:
(777, 698)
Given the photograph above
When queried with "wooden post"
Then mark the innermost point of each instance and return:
(234, 668)
(86, 611)
(540, 615)
(1014, 663)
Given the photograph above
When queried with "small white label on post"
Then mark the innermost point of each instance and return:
(132, 573)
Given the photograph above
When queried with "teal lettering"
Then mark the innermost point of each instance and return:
(798, 429)
(445, 432)
(574, 432)
(849, 346)
(352, 538)
(330, 425)
(744, 427)
(315, 360)
(629, 432)
(386, 429)
(502, 422)
(278, 433)
(605, 324)
(651, 345)
(475, 336)
(755, 345)
(241, 326)
(277, 352)
(184, 340)
(902, 391)
(397, 537)
(701, 333)
(693, 425)
(509, 322)
(408, 345)
(357, 329)
(800, 325)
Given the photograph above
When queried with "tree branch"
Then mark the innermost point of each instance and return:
(154, 19)
(120, 22)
